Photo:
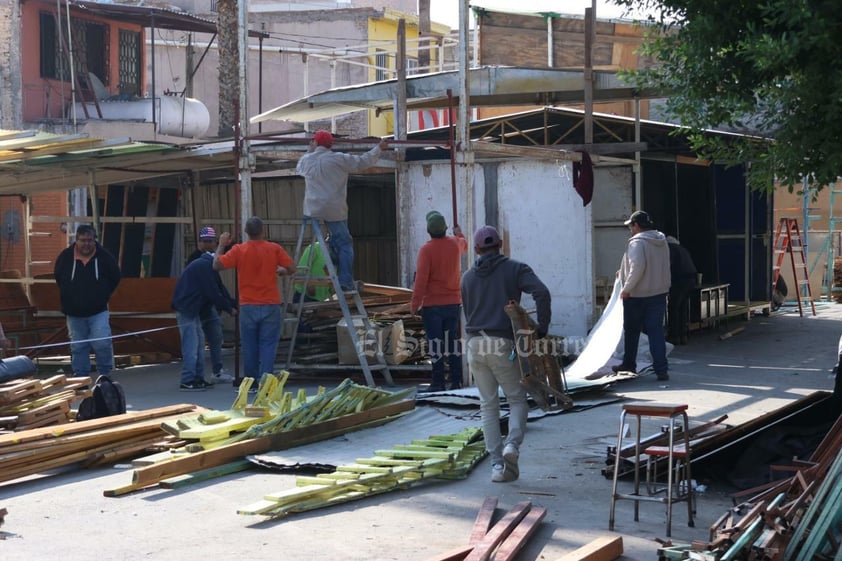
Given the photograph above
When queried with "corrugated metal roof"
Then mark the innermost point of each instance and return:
(152, 16)
(488, 86)
(35, 161)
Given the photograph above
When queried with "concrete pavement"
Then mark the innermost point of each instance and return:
(774, 361)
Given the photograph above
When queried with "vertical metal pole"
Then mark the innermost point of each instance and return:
(550, 46)
(72, 67)
(638, 176)
(260, 83)
(464, 155)
(154, 116)
(400, 101)
(588, 74)
(333, 85)
(27, 243)
(243, 114)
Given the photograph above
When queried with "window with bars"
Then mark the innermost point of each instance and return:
(89, 45)
(381, 61)
(411, 66)
(129, 61)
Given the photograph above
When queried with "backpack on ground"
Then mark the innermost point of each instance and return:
(107, 398)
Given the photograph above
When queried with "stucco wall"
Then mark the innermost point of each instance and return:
(10, 84)
(540, 218)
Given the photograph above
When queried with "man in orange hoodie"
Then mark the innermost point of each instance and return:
(437, 297)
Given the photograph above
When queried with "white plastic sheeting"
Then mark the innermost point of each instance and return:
(604, 344)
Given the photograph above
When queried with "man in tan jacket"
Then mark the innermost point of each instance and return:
(645, 274)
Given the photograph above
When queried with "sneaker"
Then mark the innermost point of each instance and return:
(430, 388)
(501, 474)
(510, 458)
(498, 473)
(457, 386)
(354, 288)
(221, 376)
(616, 369)
(663, 376)
(195, 386)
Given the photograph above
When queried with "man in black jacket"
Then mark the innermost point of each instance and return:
(682, 282)
(87, 275)
(197, 289)
(211, 322)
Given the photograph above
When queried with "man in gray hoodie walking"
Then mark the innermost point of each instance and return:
(645, 274)
(487, 287)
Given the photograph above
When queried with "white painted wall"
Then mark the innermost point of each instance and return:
(612, 205)
(540, 218)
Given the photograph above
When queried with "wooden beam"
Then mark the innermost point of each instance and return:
(483, 550)
(510, 547)
(606, 548)
(151, 475)
(605, 148)
(538, 153)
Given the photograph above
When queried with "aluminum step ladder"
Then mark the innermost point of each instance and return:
(788, 240)
(304, 277)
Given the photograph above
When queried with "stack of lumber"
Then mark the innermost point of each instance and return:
(90, 443)
(794, 519)
(439, 457)
(504, 539)
(29, 402)
(316, 342)
(275, 420)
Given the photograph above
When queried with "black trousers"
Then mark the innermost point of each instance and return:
(678, 311)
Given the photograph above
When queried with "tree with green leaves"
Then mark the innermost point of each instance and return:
(771, 67)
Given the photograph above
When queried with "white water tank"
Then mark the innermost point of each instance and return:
(175, 115)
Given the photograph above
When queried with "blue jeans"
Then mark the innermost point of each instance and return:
(192, 348)
(212, 327)
(342, 243)
(260, 330)
(441, 324)
(91, 327)
(645, 314)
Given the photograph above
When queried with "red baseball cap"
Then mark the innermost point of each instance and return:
(323, 138)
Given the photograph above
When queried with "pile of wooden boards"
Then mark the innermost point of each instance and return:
(29, 402)
(90, 443)
(273, 421)
(504, 539)
(438, 457)
(316, 342)
(798, 518)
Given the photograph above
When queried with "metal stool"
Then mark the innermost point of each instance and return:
(672, 452)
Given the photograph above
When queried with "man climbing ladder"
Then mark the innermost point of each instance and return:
(325, 175)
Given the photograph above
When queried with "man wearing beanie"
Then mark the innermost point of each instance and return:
(325, 175)
(487, 287)
(436, 296)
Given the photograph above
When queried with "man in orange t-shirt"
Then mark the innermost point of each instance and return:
(258, 262)
(437, 295)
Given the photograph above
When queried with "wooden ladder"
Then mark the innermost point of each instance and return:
(788, 240)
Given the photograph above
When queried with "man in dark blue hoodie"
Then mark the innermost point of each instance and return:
(487, 287)
(197, 289)
(87, 275)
